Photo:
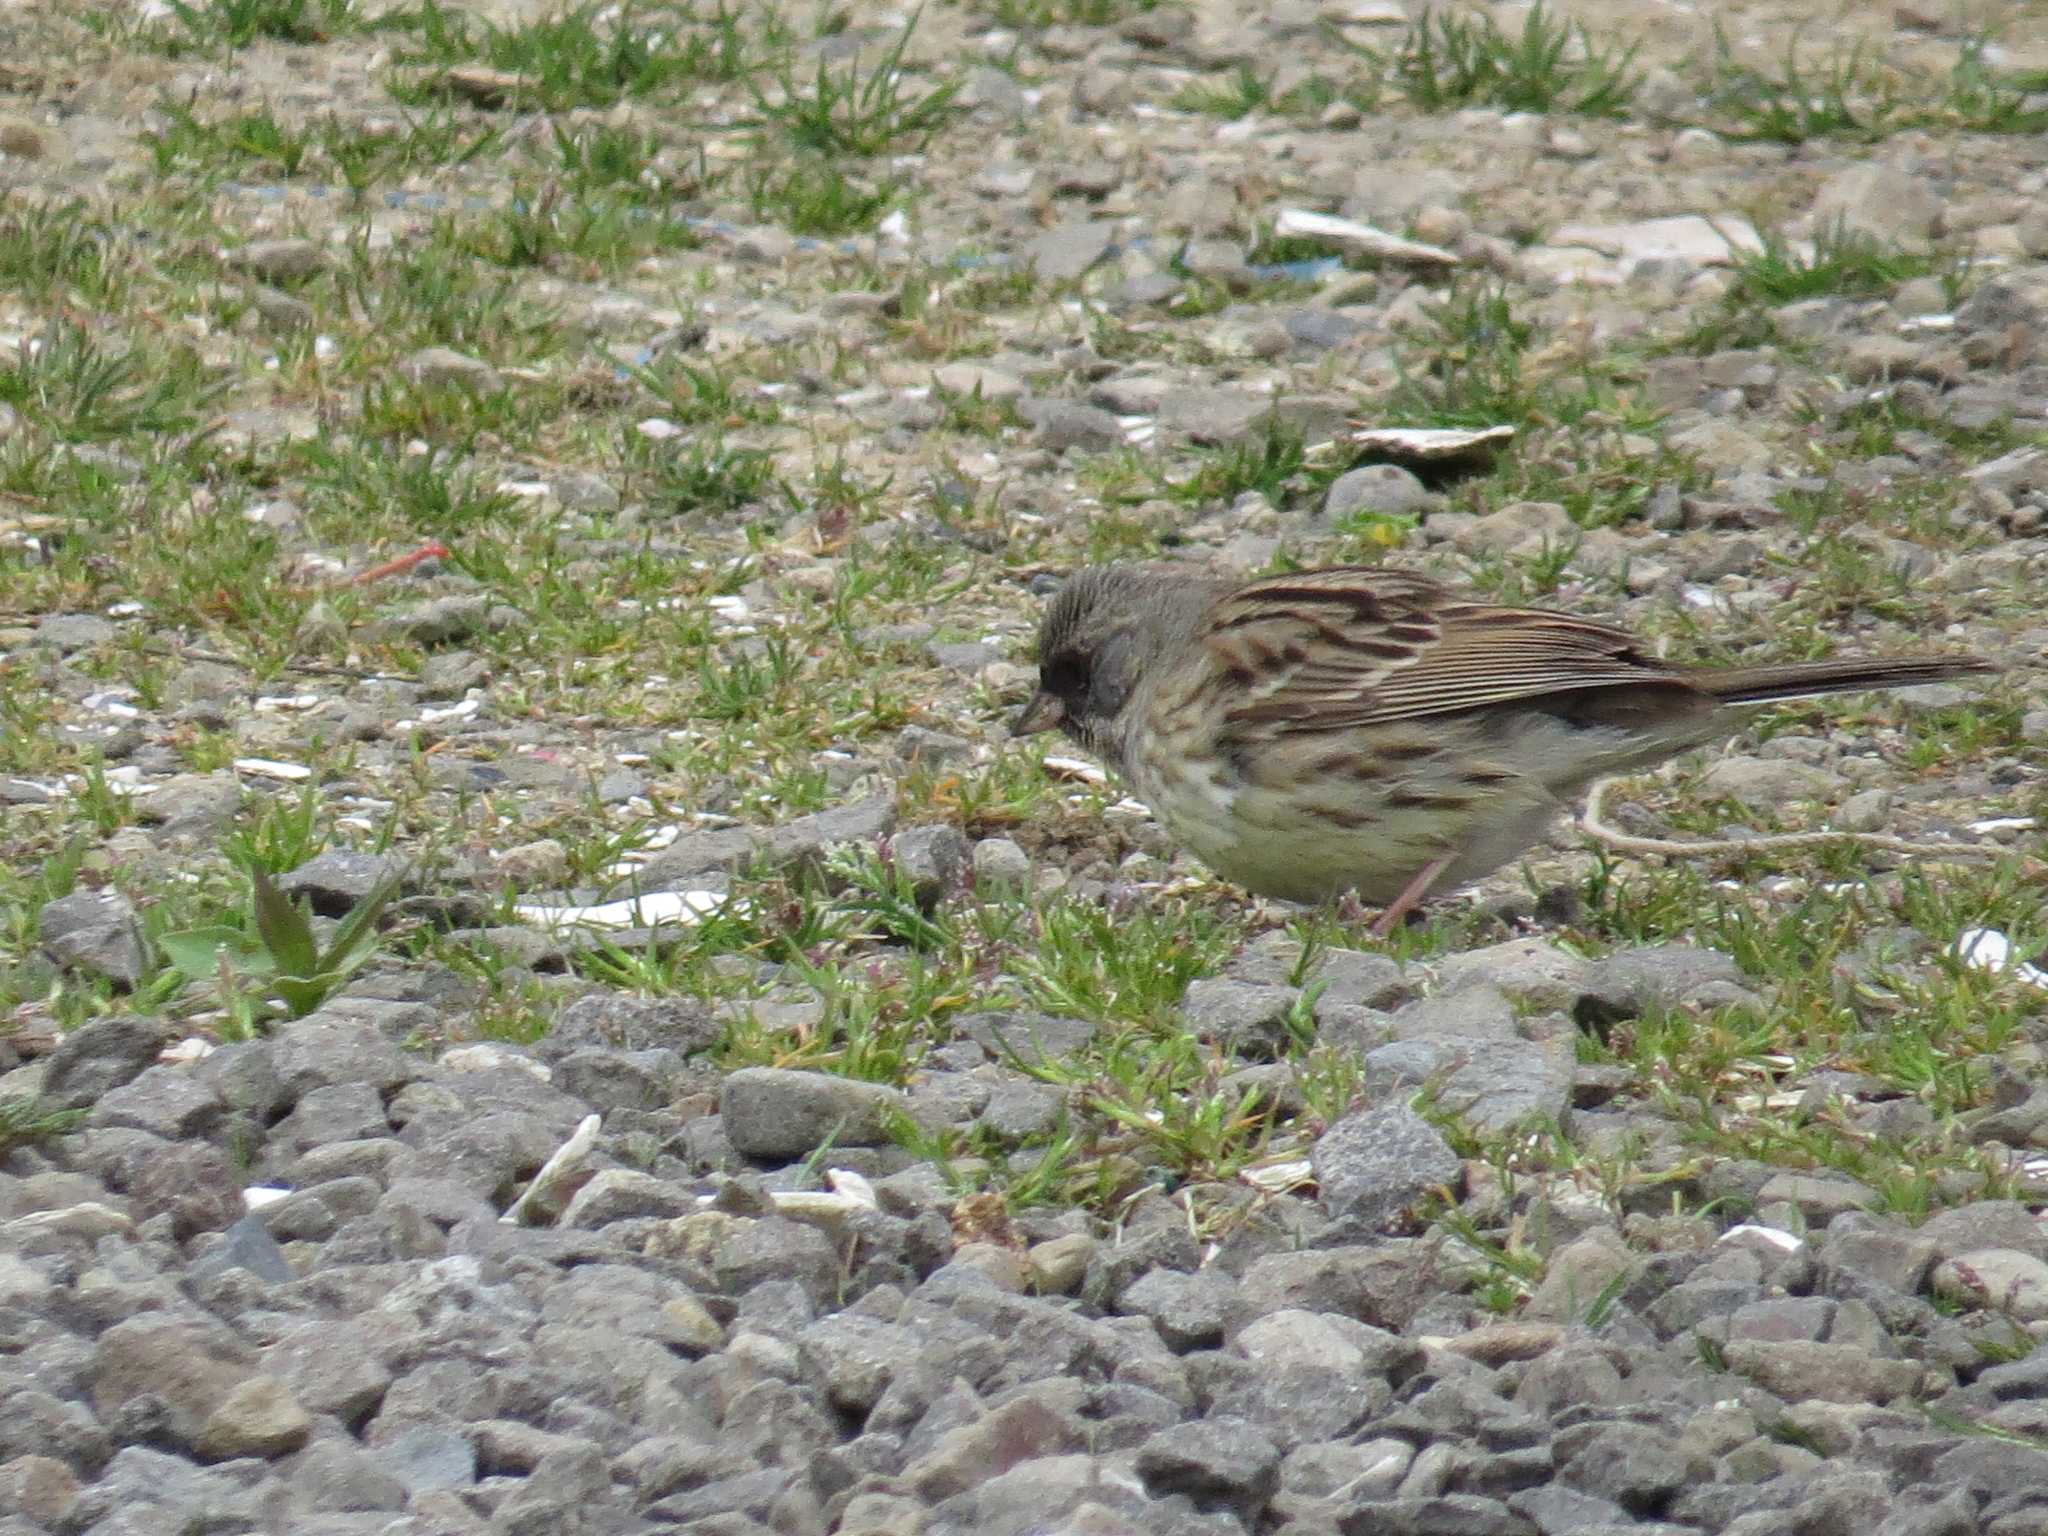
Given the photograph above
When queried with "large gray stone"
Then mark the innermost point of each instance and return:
(98, 933)
(775, 1114)
(100, 1056)
(1373, 1166)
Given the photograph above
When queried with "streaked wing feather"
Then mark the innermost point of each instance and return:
(1352, 646)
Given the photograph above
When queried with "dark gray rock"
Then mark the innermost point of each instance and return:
(1061, 425)
(771, 1249)
(1454, 1514)
(1358, 978)
(1218, 1463)
(1017, 1109)
(98, 1057)
(1985, 1224)
(933, 859)
(1030, 1037)
(806, 839)
(1382, 1285)
(427, 1459)
(1247, 1018)
(616, 1021)
(164, 1101)
(623, 1194)
(246, 1245)
(95, 932)
(75, 631)
(1478, 1013)
(188, 1365)
(1310, 1377)
(1930, 1512)
(327, 1048)
(1189, 1310)
(1534, 975)
(446, 620)
(776, 1114)
(1632, 1465)
(611, 1080)
(1510, 1083)
(337, 881)
(163, 1492)
(1374, 1165)
(243, 1076)
(1065, 252)
(336, 1112)
(198, 1187)
(1993, 1469)
(854, 1358)
(1626, 982)
(1323, 329)
(338, 1475)
(1557, 1510)
(800, 843)
(1377, 490)
(1897, 1257)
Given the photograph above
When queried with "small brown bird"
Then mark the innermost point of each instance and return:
(1370, 730)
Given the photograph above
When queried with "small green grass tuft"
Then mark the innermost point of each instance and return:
(238, 23)
(1446, 62)
(1840, 260)
(855, 110)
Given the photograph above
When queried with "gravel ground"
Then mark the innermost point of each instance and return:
(461, 482)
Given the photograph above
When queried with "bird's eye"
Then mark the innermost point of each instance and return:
(1064, 676)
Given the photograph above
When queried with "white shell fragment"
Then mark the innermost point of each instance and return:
(568, 1158)
(854, 1186)
(1429, 445)
(849, 1194)
(1987, 949)
(649, 911)
(1075, 768)
(1299, 223)
(463, 709)
(1278, 1178)
(1777, 1237)
(265, 768)
(257, 1196)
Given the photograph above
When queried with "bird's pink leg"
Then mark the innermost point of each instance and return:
(1411, 897)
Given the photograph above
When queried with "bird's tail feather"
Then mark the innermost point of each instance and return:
(1805, 679)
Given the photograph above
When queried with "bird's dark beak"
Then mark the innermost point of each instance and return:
(1045, 712)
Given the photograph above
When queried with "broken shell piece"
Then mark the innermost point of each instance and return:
(568, 1158)
(853, 1185)
(1300, 224)
(1075, 768)
(649, 911)
(850, 1193)
(1986, 949)
(1777, 1237)
(1278, 1178)
(265, 768)
(1433, 446)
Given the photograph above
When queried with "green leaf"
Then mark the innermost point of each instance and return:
(196, 952)
(302, 994)
(355, 936)
(287, 930)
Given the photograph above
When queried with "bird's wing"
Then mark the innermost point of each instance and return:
(1355, 645)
